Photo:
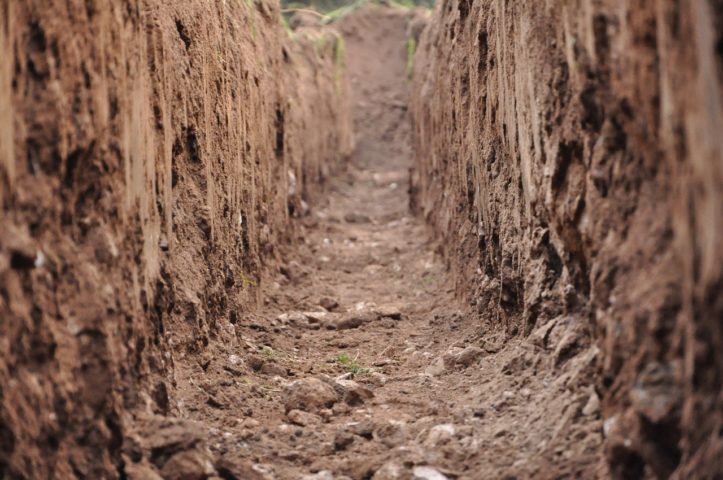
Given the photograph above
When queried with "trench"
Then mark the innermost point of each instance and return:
(476, 242)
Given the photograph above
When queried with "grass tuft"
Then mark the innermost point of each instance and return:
(411, 50)
(351, 365)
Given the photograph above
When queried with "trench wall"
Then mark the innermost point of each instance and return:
(569, 153)
(151, 154)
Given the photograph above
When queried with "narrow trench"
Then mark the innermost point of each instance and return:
(511, 270)
(363, 362)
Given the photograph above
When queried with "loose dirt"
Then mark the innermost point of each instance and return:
(363, 364)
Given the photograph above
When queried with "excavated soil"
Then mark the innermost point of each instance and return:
(362, 364)
(205, 275)
(569, 153)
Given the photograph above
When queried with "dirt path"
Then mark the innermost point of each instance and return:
(363, 364)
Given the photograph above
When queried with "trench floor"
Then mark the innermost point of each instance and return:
(426, 387)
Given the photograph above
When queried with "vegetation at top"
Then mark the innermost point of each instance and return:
(333, 9)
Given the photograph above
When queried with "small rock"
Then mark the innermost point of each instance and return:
(303, 419)
(342, 439)
(309, 395)
(427, 473)
(391, 434)
(363, 429)
(440, 434)
(316, 317)
(250, 423)
(389, 311)
(353, 393)
(437, 367)
(322, 475)
(293, 318)
(290, 455)
(340, 409)
(328, 303)
(378, 379)
(140, 471)
(392, 470)
(273, 370)
(255, 362)
(353, 320)
(234, 466)
(353, 217)
(469, 355)
(188, 465)
(592, 406)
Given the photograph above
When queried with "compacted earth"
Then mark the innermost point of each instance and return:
(362, 363)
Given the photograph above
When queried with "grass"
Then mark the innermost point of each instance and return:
(351, 365)
(411, 50)
(339, 62)
(285, 25)
(250, 7)
(247, 281)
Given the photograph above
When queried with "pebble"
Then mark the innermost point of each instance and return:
(378, 379)
(437, 367)
(391, 434)
(309, 395)
(353, 217)
(342, 440)
(328, 303)
(293, 318)
(353, 393)
(440, 434)
(188, 464)
(592, 406)
(352, 320)
(427, 473)
(389, 311)
(250, 423)
(469, 355)
(303, 419)
(392, 470)
(322, 475)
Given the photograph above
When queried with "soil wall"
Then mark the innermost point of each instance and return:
(150, 154)
(569, 152)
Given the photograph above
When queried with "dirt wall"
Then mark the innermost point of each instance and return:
(570, 154)
(150, 155)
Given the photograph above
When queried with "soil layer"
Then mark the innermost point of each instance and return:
(569, 153)
(149, 158)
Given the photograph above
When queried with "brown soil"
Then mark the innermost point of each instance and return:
(570, 155)
(502, 408)
(204, 274)
(150, 158)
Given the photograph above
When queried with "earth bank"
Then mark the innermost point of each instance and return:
(151, 156)
(569, 153)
